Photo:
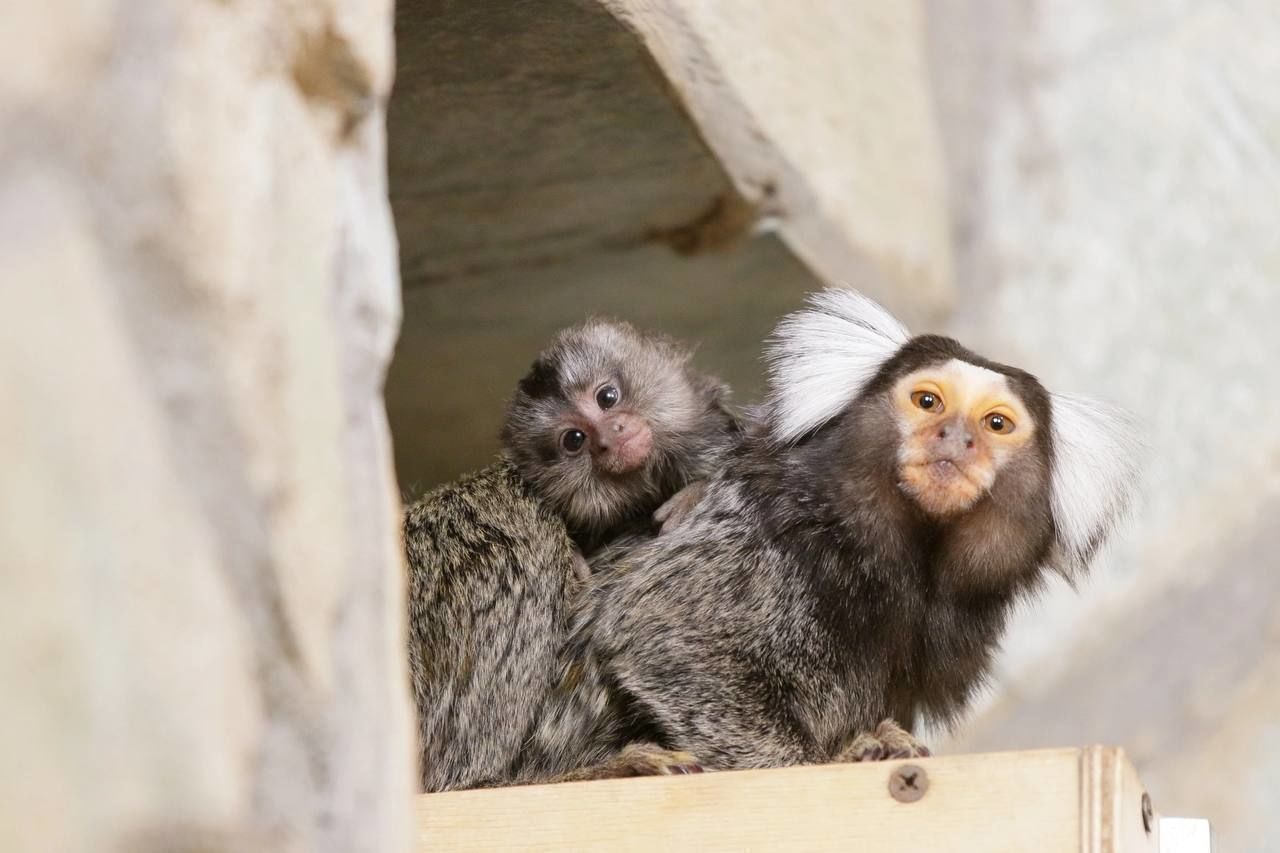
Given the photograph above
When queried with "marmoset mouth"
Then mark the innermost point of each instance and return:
(940, 486)
(946, 470)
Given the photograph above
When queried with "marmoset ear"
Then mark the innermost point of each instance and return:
(1097, 456)
(821, 357)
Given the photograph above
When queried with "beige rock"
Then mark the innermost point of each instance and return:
(822, 115)
(688, 169)
(1120, 170)
(200, 602)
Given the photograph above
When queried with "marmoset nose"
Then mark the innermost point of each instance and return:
(955, 436)
(617, 430)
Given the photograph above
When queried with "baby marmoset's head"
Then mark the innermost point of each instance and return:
(979, 454)
(609, 422)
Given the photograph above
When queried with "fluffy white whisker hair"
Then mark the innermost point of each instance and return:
(820, 358)
(1098, 452)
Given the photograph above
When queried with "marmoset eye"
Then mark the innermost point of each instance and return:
(608, 397)
(573, 439)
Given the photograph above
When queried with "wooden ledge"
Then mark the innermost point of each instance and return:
(1079, 800)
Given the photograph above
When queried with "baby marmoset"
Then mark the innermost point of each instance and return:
(855, 561)
(607, 425)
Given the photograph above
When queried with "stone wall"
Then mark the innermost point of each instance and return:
(1115, 169)
(690, 171)
(200, 600)
(200, 614)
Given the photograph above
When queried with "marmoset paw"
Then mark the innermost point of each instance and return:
(672, 514)
(888, 741)
(644, 759)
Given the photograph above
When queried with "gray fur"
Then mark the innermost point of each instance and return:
(807, 597)
(496, 558)
(686, 410)
(490, 569)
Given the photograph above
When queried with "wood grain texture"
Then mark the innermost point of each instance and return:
(1047, 801)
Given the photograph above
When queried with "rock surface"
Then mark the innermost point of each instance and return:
(1115, 169)
(200, 603)
(691, 171)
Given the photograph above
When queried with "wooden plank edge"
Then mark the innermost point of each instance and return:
(1063, 799)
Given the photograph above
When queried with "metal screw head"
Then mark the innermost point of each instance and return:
(908, 783)
(1147, 812)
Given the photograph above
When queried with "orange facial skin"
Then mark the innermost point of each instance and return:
(960, 424)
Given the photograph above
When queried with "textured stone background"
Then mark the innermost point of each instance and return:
(1116, 204)
(200, 592)
(535, 182)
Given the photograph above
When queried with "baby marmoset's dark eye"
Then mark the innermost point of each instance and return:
(608, 396)
(573, 439)
(927, 400)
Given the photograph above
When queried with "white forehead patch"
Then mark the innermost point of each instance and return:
(976, 375)
(821, 357)
(972, 377)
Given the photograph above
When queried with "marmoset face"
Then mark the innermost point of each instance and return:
(603, 416)
(960, 426)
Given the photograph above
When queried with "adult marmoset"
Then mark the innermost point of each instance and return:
(854, 563)
(607, 425)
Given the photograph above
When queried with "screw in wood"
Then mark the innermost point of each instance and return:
(1148, 815)
(908, 783)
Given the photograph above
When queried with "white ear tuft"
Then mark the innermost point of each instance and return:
(821, 357)
(1097, 456)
